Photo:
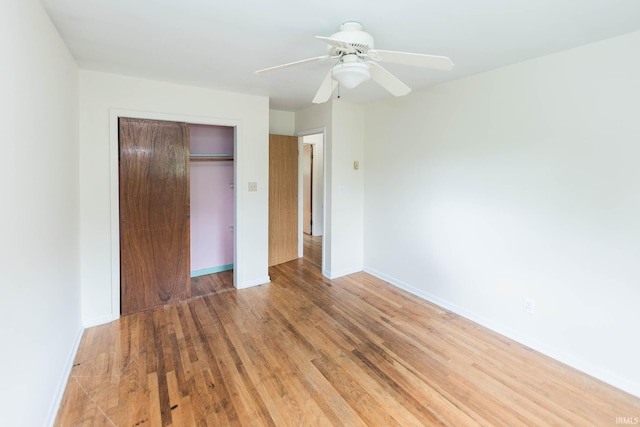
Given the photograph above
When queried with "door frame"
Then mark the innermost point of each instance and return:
(114, 115)
(304, 187)
(326, 249)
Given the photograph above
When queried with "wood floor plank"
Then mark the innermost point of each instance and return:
(155, 418)
(293, 353)
(241, 370)
(226, 390)
(309, 351)
(212, 283)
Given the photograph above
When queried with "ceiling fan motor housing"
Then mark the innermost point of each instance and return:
(353, 34)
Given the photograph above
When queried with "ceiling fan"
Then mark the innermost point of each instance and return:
(357, 61)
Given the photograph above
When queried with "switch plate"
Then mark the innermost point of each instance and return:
(529, 305)
(253, 186)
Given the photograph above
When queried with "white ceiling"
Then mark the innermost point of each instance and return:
(218, 44)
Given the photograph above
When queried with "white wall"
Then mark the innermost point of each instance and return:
(39, 247)
(100, 95)
(344, 141)
(523, 181)
(282, 122)
(347, 188)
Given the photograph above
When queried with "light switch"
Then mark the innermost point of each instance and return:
(253, 186)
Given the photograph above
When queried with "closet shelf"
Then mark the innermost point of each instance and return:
(210, 157)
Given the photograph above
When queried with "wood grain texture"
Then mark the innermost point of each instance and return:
(212, 283)
(305, 350)
(154, 213)
(283, 198)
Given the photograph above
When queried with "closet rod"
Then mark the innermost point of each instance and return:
(211, 158)
(208, 157)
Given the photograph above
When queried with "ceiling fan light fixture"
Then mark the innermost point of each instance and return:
(351, 74)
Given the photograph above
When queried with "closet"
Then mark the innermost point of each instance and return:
(176, 208)
(212, 194)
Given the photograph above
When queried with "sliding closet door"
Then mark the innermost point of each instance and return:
(154, 213)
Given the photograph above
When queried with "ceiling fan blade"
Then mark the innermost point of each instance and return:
(338, 44)
(416, 59)
(387, 80)
(292, 64)
(326, 89)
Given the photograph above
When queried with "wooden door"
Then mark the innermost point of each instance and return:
(307, 187)
(283, 199)
(154, 213)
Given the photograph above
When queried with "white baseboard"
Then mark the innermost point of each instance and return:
(254, 282)
(335, 274)
(576, 363)
(62, 383)
(96, 321)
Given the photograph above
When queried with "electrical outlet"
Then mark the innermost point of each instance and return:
(253, 186)
(529, 305)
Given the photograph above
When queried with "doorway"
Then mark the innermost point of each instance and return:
(212, 187)
(157, 218)
(307, 188)
(311, 190)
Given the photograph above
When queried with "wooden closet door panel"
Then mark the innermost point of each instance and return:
(283, 199)
(154, 213)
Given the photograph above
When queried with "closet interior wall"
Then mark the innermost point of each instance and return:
(212, 198)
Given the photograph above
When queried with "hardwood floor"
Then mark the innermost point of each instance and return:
(212, 284)
(305, 350)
